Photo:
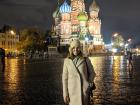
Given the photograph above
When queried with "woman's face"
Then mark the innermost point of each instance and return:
(75, 51)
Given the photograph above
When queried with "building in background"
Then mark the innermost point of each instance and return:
(73, 22)
(9, 40)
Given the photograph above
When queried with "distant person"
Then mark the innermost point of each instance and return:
(78, 76)
(130, 59)
(45, 54)
(125, 53)
(2, 58)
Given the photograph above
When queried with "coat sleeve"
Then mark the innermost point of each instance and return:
(91, 71)
(65, 79)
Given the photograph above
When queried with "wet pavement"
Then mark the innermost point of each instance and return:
(38, 82)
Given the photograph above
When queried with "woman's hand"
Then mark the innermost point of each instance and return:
(67, 100)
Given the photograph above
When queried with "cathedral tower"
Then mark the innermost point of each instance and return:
(94, 26)
(77, 7)
(65, 23)
(73, 22)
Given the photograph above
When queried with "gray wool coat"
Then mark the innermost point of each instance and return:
(76, 82)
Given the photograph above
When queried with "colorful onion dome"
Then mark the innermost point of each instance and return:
(56, 13)
(65, 8)
(82, 16)
(94, 6)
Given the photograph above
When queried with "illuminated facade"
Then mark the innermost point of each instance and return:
(73, 22)
(8, 41)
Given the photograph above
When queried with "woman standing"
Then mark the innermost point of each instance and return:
(78, 74)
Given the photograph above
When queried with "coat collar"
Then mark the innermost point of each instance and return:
(80, 61)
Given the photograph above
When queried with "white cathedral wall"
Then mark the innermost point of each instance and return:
(94, 27)
(65, 17)
(65, 29)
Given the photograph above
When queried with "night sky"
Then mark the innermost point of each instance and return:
(120, 16)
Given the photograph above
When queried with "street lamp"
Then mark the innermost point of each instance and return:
(12, 32)
(129, 40)
(137, 51)
(116, 34)
(126, 45)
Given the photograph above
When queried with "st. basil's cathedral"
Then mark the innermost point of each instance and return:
(73, 22)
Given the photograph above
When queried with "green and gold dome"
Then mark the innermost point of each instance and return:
(82, 16)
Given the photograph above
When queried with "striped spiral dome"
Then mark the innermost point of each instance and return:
(65, 8)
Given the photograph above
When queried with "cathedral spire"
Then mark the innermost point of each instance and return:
(94, 6)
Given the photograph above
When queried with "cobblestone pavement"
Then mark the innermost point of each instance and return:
(38, 82)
